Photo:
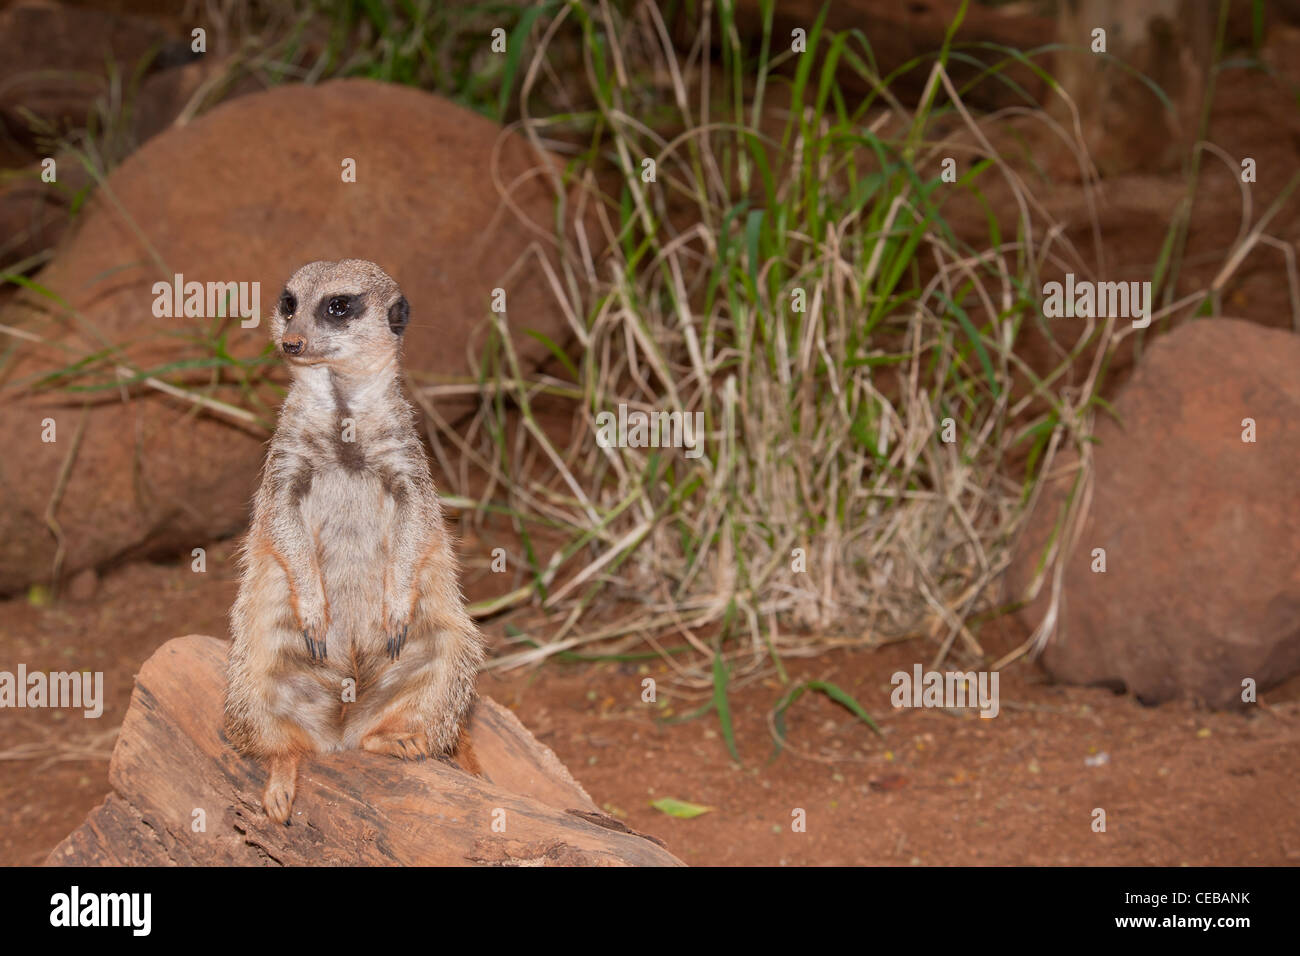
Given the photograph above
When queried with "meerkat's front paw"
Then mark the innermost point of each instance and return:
(314, 638)
(397, 624)
(313, 623)
(397, 640)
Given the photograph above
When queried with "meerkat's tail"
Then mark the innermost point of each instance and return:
(463, 753)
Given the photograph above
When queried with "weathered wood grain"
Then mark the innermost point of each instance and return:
(182, 796)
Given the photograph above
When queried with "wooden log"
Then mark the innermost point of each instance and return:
(182, 796)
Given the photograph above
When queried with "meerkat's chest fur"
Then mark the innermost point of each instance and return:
(350, 458)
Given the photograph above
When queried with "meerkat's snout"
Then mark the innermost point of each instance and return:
(291, 343)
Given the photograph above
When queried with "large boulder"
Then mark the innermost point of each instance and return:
(248, 193)
(1201, 530)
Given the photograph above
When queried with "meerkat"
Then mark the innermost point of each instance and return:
(350, 630)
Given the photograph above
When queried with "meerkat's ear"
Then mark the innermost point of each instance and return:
(399, 313)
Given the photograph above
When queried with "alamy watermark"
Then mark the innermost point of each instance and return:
(1084, 299)
(951, 689)
(208, 300)
(75, 908)
(82, 690)
(638, 429)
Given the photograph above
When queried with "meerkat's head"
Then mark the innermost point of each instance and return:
(346, 315)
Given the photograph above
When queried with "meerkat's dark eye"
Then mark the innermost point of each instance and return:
(340, 308)
(288, 304)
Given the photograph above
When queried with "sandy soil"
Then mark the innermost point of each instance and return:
(1178, 786)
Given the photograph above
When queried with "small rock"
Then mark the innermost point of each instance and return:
(1199, 527)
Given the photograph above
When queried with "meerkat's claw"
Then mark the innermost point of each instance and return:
(316, 649)
(396, 641)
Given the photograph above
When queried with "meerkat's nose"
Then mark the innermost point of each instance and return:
(293, 344)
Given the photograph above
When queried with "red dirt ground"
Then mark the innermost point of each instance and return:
(1179, 787)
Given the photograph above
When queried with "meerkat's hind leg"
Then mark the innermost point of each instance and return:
(395, 738)
(406, 745)
(426, 715)
(281, 785)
